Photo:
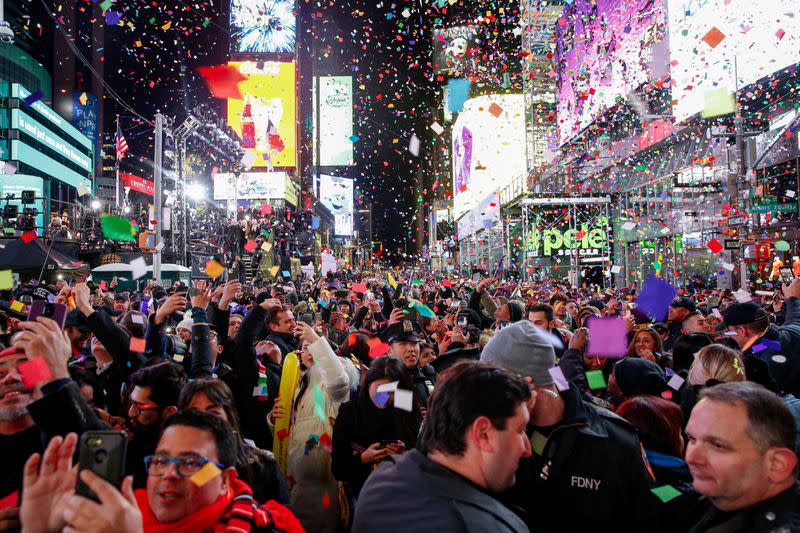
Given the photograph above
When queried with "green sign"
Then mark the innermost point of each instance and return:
(18, 91)
(24, 122)
(50, 167)
(772, 206)
(552, 241)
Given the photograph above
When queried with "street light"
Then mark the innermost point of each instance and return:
(96, 205)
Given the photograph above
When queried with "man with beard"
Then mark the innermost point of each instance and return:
(403, 339)
(31, 416)
(154, 397)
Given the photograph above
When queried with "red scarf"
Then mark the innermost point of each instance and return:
(234, 512)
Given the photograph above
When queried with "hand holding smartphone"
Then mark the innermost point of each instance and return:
(102, 452)
(53, 311)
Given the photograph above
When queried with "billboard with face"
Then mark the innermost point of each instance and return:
(336, 193)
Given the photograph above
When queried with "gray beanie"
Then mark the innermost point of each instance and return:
(523, 349)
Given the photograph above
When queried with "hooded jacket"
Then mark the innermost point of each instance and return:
(589, 474)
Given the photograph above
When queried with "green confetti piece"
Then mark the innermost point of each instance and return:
(116, 228)
(537, 443)
(595, 379)
(319, 403)
(666, 493)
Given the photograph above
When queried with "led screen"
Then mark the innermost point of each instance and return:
(265, 115)
(263, 27)
(336, 194)
(488, 148)
(758, 38)
(336, 110)
(605, 49)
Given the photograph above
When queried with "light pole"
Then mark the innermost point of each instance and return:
(157, 158)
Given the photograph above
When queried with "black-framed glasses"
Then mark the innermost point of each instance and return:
(186, 465)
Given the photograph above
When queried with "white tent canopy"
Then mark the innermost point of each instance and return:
(124, 267)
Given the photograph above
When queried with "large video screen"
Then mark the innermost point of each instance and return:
(451, 49)
(758, 38)
(250, 186)
(605, 50)
(265, 116)
(336, 110)
(336, 193)
(488, 148)
(263, 27)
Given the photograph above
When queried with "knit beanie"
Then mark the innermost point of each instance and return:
(523, 349)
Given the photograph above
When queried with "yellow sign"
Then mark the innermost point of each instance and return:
(265, 117)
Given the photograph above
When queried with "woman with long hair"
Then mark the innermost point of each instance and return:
(371, 427)
(647, 344)
(254, 466)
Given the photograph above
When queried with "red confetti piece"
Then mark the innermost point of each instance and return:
(34, 371)
(28, 236)
(223, 81)
(713, 37)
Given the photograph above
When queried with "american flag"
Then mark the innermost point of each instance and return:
(122, 145)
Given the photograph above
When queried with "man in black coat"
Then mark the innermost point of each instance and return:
(588, 468)
(447, 484)
(741, 454)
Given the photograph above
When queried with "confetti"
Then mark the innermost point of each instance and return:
(205, 474)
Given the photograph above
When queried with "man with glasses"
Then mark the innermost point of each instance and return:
(154, 398)
(191, 486)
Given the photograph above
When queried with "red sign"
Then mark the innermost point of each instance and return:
(137, 184)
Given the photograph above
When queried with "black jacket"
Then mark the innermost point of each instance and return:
(781, 513)
(590, 473)
(786, 369)
(424, 380)
(475, 304)
(413, 493)
(285, 341)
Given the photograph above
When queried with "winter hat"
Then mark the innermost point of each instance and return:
(639, 376)
(186, 323)
(516, 310)
(523, 349)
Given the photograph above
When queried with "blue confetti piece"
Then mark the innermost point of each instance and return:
(381, 398)
(34, 97)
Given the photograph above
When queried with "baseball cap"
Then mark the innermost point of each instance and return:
(740, 314)
(76, 319)
(684, 303)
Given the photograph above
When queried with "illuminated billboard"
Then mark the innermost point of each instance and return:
(336, 194)
(251, 186)
(488, 148)
(605, 49)
(263, 27)
(451, 49)
(265, 116)
(336, 111)
(761, 38)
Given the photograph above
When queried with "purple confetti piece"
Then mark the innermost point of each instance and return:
(34, 97)
(558, 377)
(656, 297)
(381, 398)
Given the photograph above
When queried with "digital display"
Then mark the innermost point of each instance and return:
(605, 49)
(263, 27)
(265, 116)
(336, 111)
(758, 38)
(336, 194)
(488, 146)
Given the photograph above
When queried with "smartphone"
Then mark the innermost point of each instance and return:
(102, 452)
(233, 273)
(57, 312)
(787, 275)
(307, 318)
(385, 443)
(462, 322)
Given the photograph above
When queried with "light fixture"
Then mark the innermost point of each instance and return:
(95, 204)
(195, 191)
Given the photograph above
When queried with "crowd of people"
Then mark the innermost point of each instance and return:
(385, 402)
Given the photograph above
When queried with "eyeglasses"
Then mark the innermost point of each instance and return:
(137, 408)
(186, 465)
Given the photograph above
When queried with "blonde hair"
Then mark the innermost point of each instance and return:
(716, 362)
(486, 336)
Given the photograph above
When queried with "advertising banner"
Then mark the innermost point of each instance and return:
(559, 232)
(336, 119)
(263, 27)
(251, 186)
(488, 148)
(451, 49)
(85, 116)
(485, 215)
(712, 42)
(605, 51)
(336, 193)
(137, 183)
(265, 117)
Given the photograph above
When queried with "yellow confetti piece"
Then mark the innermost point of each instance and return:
(6, 280)
(17, 306)
(214, 269)
(538, 442)
(205, 474)
(274, 271)
(266, 246)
